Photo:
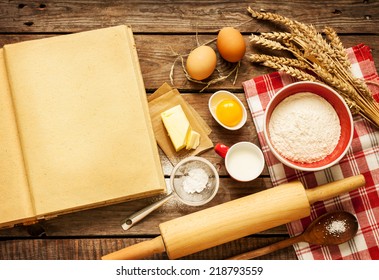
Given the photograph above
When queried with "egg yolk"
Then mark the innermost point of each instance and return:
(229, 112)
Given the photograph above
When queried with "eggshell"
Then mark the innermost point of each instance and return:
(201, 62)
(231, 44)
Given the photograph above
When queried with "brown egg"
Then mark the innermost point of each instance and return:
(201, 62)
(231, 44)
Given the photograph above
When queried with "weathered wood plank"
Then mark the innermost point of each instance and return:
(106, 221)
(180, 16)
(156, 59)
(161, 28)
(94, 249)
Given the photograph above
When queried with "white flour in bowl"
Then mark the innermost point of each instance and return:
(304, 127)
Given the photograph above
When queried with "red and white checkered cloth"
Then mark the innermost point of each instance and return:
(362, 158)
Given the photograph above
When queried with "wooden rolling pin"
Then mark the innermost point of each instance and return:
(235, 219)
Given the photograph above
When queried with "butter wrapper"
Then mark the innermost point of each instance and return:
(164, 98)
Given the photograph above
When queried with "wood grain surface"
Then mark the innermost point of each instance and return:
(162, 30)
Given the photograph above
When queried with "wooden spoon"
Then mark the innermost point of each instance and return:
(329, 229)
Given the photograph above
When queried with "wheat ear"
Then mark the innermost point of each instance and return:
(325, 58)
(259, 58)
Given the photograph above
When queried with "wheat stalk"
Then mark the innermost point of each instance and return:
(315, 59)
(279, 60)
(267, 42)
(294, 72)
(277, 35)
(336, 43)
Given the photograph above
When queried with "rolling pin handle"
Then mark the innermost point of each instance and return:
(138, 251)
(335, 188)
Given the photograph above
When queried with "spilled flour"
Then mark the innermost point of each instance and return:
(304, 127)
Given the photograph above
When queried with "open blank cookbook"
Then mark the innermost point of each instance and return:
(75, 130)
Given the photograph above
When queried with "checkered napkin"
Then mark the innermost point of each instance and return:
(362, 158)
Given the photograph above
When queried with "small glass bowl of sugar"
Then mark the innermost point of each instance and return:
(195, 181)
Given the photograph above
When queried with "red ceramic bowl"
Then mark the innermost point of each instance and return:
(343, 112)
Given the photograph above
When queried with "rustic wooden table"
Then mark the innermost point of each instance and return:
(162, 28)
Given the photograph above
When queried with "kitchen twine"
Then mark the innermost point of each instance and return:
(361, 158)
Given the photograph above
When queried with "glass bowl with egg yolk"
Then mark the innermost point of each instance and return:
(227, 110)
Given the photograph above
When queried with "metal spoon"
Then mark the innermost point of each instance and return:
(177, 177)
(329, 229)
(138, 216)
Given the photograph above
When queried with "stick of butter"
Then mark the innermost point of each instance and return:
(179, 129)
(177, 125)
(193, 140)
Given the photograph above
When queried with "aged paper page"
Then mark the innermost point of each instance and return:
(15, 201)
(83, 117)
